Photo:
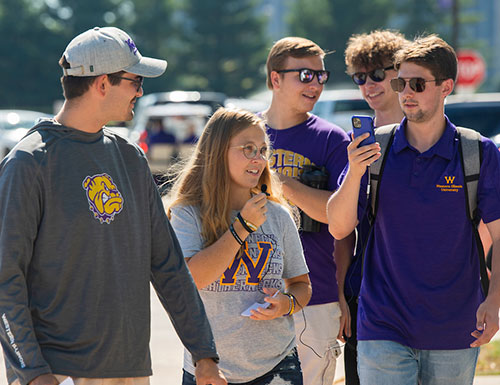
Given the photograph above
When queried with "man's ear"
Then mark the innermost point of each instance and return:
(275, 79)
(447, 87)
(101, 85)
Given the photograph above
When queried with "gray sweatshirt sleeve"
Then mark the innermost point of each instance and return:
(20, 214)
(175, 286)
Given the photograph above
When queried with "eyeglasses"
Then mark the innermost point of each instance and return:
(306, 75)
(138, 81)
(416, 84)
(250, 151)
(377, 75)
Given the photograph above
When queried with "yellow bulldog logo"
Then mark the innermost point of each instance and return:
(105, 201)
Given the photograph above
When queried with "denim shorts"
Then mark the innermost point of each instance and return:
(390, 363)
(287, 372)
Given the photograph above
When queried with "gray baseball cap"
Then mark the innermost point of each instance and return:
(107, 50)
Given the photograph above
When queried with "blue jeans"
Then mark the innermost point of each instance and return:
(390, 363)
(286, 372)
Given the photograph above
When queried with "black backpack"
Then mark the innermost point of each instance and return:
(471, 158)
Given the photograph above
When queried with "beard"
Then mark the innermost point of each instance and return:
(417, 116)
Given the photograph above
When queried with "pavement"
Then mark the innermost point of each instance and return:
(167, 353)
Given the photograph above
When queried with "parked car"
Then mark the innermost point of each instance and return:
(252, 105)
(212, 99)
(14, 124)
(167, 124)
(170, 132)
(478, 111)
(338, 106)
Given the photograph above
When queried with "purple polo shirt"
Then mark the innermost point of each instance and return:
(321, 143)
(421, 283)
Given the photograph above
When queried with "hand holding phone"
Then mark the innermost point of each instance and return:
(362, 124)
(256, 305)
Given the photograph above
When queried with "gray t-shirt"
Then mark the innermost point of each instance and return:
(247, 348)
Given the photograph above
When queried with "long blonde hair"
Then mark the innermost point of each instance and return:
(204, 181)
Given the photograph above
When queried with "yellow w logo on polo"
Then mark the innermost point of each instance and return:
(449, 179)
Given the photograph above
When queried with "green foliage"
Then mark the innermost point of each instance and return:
(157, 34)
(27, 49)
(226, 46)
(218, 45)
(331, 23)
(424, 17)
(34, 37)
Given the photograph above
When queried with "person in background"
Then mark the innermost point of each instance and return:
(83, 232)
(422, 313)
(308, 147)
(242, 247)
(370, 63)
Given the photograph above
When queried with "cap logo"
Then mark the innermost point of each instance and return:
(131, 45)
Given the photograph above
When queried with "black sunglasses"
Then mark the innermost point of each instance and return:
(416, 84)
(138, 81)
(306, 75)
(377, 75)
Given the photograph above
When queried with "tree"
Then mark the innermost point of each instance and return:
(157, 33)
(35, 37)
(331, 23)
(226, 46)
(28, 50)
(424, 17)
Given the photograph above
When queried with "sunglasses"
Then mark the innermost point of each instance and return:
(377, 75)
(416, 84)
(138, 81)
(306, 75)
(251, 150)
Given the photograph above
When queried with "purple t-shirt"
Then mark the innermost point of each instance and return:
(421, 283)
(321, 143)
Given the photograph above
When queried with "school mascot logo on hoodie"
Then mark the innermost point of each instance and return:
(105, 201)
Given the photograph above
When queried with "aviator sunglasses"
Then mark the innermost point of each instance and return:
(306, 75)
(138, 81)
(377, 75)
(250, 151)
(416, 84)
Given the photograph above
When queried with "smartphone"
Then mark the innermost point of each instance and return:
(362, 124)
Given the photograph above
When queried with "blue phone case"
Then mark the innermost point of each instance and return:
(362, 124)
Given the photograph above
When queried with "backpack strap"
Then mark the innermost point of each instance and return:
(471, 158)
(384, 135)
(470, 146)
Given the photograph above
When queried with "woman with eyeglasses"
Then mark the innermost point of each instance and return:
(243, 250)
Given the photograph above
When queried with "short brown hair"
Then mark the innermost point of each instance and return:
(433, 53)
(373, 50)
(296, 47)
(76, 86)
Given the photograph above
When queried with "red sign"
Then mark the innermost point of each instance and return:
(471, 68)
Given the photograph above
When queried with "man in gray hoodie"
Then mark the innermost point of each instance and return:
(83, 232)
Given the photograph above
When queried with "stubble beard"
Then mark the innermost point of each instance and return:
(417, 116)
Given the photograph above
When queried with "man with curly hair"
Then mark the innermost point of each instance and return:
(369, 60)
